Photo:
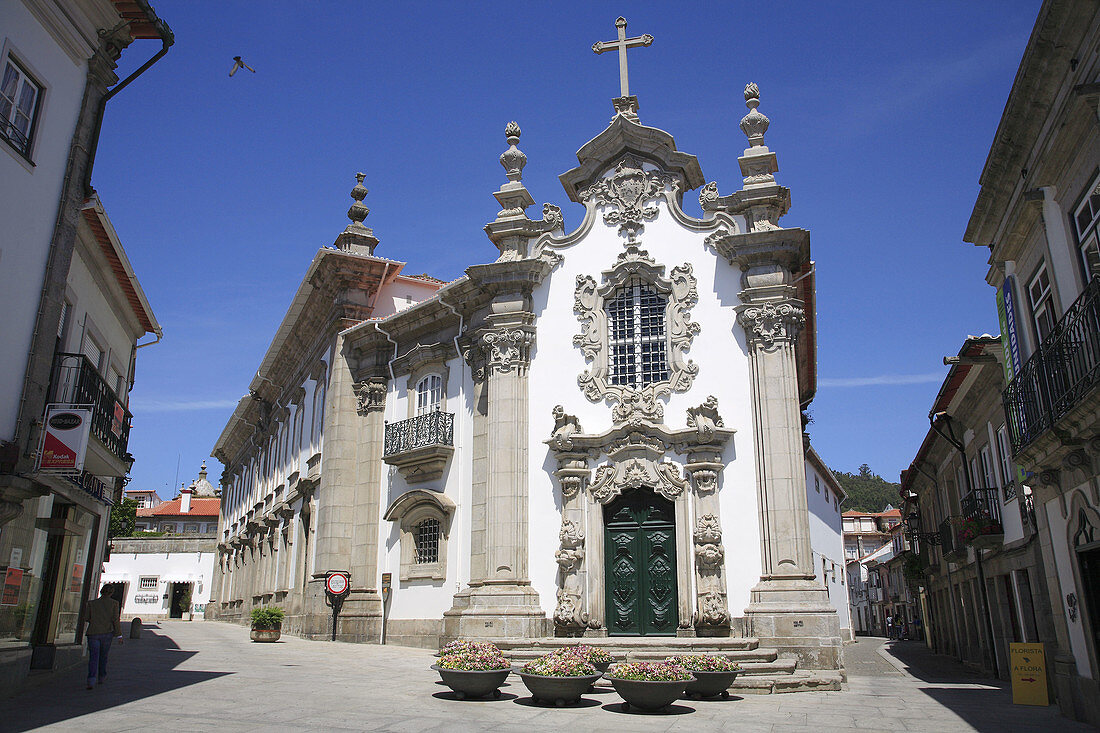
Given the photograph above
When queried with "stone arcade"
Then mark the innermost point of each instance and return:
(597, 434)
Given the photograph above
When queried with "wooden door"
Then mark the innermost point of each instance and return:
(640, 565)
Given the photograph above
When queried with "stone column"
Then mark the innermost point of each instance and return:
(789, 609)
(704, 465)
(500, 601)
(571, 615)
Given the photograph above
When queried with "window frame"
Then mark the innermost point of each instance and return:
(644, 327)
(1088, 235)
(429, 394)
(145, 584)
(1042, 308)
(28, 75)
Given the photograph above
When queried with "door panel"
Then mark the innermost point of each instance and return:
(640, 551)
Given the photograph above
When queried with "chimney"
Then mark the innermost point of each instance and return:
(185, 501)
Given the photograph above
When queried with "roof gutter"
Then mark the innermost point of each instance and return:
(167, 39)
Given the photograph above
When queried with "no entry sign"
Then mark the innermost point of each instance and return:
(337, 583)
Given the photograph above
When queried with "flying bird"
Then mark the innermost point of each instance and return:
(238, 64)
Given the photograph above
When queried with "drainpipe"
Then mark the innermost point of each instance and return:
(166, 39)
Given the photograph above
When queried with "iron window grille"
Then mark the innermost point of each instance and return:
(636, 320)
(433, 428)
(19, 104)
(427, 542)
(147, 583)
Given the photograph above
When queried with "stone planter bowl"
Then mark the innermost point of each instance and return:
(265, 635)
(710, 684)
(559, 690)
(647, 695)
(473, 683)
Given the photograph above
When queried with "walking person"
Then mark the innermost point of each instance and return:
(889, 627)
(104, 624)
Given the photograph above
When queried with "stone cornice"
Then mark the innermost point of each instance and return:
(787, 247)
(422, 354)
(624, 136)
(513, 276)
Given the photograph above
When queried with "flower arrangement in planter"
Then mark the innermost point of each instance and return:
(267, 623)
(472, 669)
(649, 685)
(970, 529)
(713, 674)
(596, 656)
(559, 677)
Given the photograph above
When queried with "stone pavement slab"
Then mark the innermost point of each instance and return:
(207, 676)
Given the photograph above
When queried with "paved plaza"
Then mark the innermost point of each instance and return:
(206, 676)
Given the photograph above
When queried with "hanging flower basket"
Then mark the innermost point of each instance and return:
(980, 532)
(473, 669)
(558, 678)
(648, 685)
(713, 675)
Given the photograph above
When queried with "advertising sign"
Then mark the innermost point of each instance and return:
(1010, 338)
(117, 419)
(13, 581)
(65, 439)
(77, 581)
(1029, 674)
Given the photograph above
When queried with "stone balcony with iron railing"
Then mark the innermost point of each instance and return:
(420, 446)
(76, 382)
(1057, 386)
(981, 525)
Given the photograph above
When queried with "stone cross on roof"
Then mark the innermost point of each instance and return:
(621, 45)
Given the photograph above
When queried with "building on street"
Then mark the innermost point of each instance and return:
(74, 313)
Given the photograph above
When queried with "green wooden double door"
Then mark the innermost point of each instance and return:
(640, 565)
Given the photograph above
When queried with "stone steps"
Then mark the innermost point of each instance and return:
(625, 645)
(797, 681)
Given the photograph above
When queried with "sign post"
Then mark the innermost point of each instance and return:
(1029, 674)
(337, 588)
(387, 584)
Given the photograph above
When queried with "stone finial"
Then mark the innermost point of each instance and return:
(202, 470)
(358, 211)
(513, 158)
(754, 124)
(356, 237)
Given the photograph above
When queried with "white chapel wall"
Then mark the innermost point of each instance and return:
(827, 541)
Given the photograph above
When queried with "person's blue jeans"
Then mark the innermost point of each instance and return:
(98, 646)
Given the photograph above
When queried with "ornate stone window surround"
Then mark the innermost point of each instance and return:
(635, 404)
(409, 510)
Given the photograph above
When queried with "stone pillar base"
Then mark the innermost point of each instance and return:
(595, 633)
(507, 611)
(795, 617)
(360, 619)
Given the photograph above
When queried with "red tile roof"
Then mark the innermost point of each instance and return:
(199, 508)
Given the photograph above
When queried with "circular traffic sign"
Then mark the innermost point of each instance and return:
(336, 584)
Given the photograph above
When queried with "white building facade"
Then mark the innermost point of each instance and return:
(161, 577)
(597, 434)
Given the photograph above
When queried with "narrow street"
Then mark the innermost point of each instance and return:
(205, 676)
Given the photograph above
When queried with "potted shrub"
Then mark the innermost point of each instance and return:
(713, 674)
(472, 669)
(648, 685)
(267, 623)
(559, 677)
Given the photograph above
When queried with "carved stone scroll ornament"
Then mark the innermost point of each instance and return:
(712, 609)
(568, 614)
(705, 419)
(572, 546)
(564, 427)
(628, 190)
(612, 479)
(770, 323)
(708, 544)
(370, 396)
(507, 349)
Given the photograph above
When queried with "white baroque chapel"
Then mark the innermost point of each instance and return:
(599, 434)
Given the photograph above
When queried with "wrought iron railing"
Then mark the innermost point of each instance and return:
(432, 428)
(14, 135)
(982, 504)
(1059, 374)
(76, 382)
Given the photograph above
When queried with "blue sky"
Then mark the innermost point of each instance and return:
(223, 188)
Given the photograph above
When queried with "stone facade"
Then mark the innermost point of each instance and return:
(624, 395)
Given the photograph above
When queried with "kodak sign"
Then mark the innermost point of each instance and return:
(65, 439)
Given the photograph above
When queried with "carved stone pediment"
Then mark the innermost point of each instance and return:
(628, 193)
(612, 479)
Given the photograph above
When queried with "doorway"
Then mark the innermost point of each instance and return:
(1089, 559)
(640, 565)
(180, 600)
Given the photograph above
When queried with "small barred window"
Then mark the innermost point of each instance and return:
(148, 583)
(636, 319)
(427, 541)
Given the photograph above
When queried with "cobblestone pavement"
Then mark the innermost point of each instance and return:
(206, 676)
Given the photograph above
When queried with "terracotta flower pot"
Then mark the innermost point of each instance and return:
(266, 635)
(646, 695)
(558, 690)
(473, 683)
(709, 684)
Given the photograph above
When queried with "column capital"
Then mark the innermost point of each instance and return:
(501, 349)
(370, 395)
(772, 323)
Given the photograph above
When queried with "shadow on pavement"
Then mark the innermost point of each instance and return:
(924, 664)
(531, 702)
(674, 709)
(137, 669)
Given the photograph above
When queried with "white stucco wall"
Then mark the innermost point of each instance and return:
(29, 194)
(827, 541)
(129, 568)
(719, 350)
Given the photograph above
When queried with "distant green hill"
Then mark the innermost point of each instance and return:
(867, 491)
